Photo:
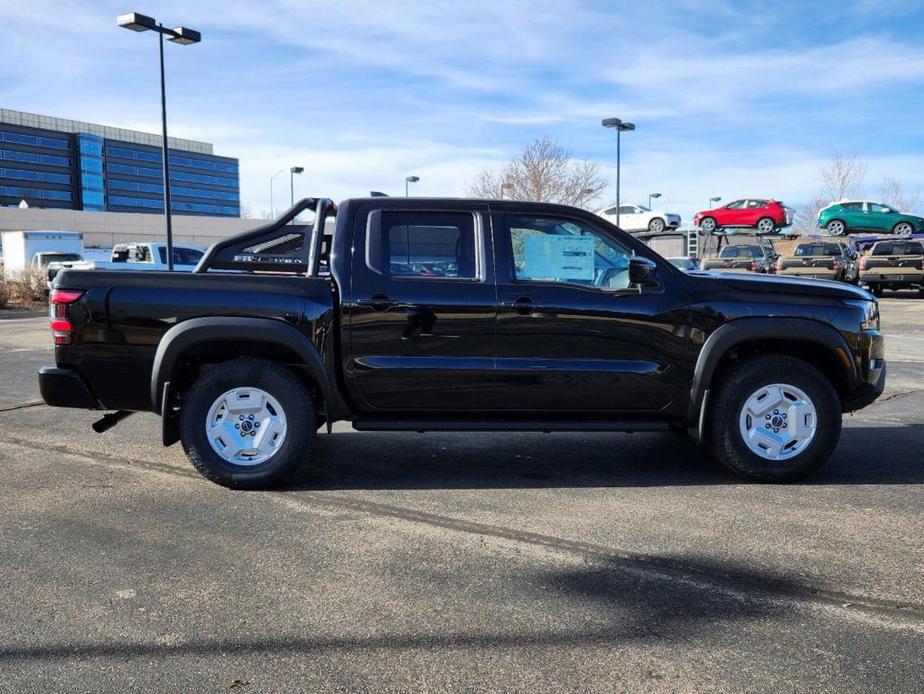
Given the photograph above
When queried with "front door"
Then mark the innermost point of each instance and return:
(421, 307)
(572, 334)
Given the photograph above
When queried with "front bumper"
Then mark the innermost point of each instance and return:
(65, 388)
(868, 391)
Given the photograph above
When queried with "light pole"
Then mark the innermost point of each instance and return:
(650, 196)
(621, 126)
(712, 200)
(506, 185)
(294, 170)
(272, 206)
(408, 180)
(183, 36)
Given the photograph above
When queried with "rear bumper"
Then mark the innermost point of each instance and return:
(65, 388)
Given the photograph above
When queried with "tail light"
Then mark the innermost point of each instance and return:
(58, 301)
(862, 264)
(755, 266)
(836, 265)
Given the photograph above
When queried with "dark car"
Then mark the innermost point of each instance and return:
(401, 314)
(742, 257)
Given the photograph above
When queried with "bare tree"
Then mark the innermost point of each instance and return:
(893, 194)
(842, 177)
(544, 172)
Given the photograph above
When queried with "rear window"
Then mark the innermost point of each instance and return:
(899, 248)
(809, 249)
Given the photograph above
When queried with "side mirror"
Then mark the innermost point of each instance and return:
(642, 271)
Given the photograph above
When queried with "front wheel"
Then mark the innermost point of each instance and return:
(775, 419)
(707, 225)
(903, 229)
(836, 227)
(656, 225)
(765, 225)
(247, 423)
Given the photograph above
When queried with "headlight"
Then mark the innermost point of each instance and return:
(870, 309)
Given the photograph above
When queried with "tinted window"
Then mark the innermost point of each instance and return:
(852, 205)
(553, 249)
(427, 245)
(181, 256)
(737, 204)
(627, 209)
(757, 203)
(809, 249)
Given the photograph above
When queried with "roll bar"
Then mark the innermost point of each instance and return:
(271, 247)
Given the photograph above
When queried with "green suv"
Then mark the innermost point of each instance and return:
(856, 215)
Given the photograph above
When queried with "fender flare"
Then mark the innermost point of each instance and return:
(197, 330)
(745, 329)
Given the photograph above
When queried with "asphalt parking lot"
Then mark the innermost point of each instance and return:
(460, 562)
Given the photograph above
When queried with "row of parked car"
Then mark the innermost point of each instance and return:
(768, 216)
(878, 262)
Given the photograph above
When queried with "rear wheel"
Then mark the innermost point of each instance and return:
(247, 423)
(765, 225)
(656, 225)
(708, 225)
(836, 227)
(903, 229)
(776, 419)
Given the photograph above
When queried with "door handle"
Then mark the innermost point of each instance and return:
(379, 302)
(522, 305)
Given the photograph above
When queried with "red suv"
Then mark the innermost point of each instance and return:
(766, 216)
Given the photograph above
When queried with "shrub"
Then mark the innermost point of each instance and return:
(28, 285)
(6, 292)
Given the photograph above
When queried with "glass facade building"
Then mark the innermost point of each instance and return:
(52, 162)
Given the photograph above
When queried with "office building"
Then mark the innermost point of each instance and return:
(58, 163)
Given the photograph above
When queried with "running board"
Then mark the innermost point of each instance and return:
(547, 426)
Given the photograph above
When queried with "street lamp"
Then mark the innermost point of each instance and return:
(408, 180)
(584, 193)
(506, 185)
(712, 200)
(272, 206)
(621, 126)
(650, 196)
(183, 36)
(294, 170)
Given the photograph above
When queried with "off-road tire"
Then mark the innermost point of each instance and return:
(276, 380)
(737, 386)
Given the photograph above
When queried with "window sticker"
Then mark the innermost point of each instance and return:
(559, 257)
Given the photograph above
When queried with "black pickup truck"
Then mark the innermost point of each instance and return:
(460, 315)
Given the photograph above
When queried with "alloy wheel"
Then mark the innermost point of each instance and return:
(246, 426)
(778, 421)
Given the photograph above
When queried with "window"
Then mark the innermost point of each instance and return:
(736, 205)
(808, 250)
(627, 209)
(756, 203)
(855, 206)
(425, 244)
(881, 209)
(552, 249)
(899, 248)
(834, 249)
(181, 256)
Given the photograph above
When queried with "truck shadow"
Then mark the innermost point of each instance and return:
(366, 460)
(609, 603)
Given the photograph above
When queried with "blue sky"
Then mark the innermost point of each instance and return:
(730, 98)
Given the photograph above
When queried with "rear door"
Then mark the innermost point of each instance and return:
(733, 214)
(754, 210)
(572, 334)
(422, 307)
